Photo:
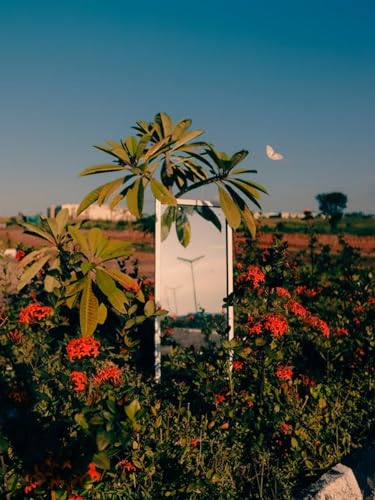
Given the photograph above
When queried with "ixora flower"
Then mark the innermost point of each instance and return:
(126, 466)
(75, 497)
(34, 313)
(282, 292)
(79, 380)
(276, 324)
(296, 308)
(93, 472)
(318, 323)
(254, 276)
(285, 428)
(83, 347)
(238, 364)
(110, 373)
(284, 372)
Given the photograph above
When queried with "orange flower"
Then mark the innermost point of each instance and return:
(111, 373)
(33, 313)
(254, 276)
(81, 347)
(282, 292)
(93, 473)
(285, 428)
(126, 466)
(316, 322)
(219, 398)
(75, 497)
(296, 308)
(341, 331)
(79, 380)
(237, 364)
(276, 324)
(284, 372)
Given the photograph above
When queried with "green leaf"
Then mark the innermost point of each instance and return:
(80, 238)
(149, 308)
(30, 229)
(102, 314)
(207, 213)
(230, 209)
(108, 286)
(50, 283)
(162, 193)
(134, 198)
(183, 229)
(167, 219)
(109, 188)
(89, 199)
(125, 280)
(248, 218)
(102, 460)
(88, 313)
(62, 219)
(186, 138)
(103, 439)
(104, 167)
(132, 409)
(31, 271)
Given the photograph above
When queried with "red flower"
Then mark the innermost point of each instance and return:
(31, 486)
(219, 398)
(282, 292)
(303, 290)
(254, 276)
(285, 428)
(79, 380)
(81, 347)
(33, 313)
(194, 442)
(284, 372)
(276, 324)
(126, 466)
(318, 323)
(341, 331)
(20, 254)
(110, 374)
(75, 497)
(93, 473)
(237, 365)
(296, 308)
(307, 380)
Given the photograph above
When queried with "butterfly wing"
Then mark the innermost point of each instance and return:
(272, 155)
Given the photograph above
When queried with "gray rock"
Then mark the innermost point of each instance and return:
(339, 483)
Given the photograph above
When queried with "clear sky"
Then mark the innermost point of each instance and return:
(299, 75)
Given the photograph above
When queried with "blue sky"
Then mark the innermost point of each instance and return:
(299, 75)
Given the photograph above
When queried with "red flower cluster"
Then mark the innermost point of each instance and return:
(341, 331)
(93, 473)
(33, 313)
(31, 486)
(238, 365)
(126, 466)
(84, 346)
(110, 374)
(255, 328)
(79, 380)
(284, 372)
(303, 290)
(296, 308)
(282, 292)
(254, 276)
(75, 497)
(276, 324)
(318, 323)
(306, 380)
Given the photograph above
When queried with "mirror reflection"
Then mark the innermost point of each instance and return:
(194, 283)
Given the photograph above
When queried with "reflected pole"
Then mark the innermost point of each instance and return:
(174, 288)
(191, 262)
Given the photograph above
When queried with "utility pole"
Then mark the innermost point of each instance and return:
(191, 262)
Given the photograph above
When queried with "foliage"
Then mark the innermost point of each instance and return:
(163, 157)
(252, 418)
(332, 205)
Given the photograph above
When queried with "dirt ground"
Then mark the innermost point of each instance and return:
(13, 235)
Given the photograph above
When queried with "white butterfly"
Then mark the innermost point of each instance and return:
(272, 155)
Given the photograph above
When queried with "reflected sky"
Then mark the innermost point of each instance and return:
(177, 291)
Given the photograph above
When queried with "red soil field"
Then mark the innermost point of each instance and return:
(296, 242)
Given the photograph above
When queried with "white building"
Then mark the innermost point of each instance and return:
(93, 212)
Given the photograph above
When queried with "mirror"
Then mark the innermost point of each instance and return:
(192, 282)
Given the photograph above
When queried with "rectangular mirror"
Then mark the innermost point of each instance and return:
(191, 282)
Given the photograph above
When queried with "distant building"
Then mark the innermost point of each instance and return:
(93, 212)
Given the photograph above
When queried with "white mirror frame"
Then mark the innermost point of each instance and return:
(229, 273)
